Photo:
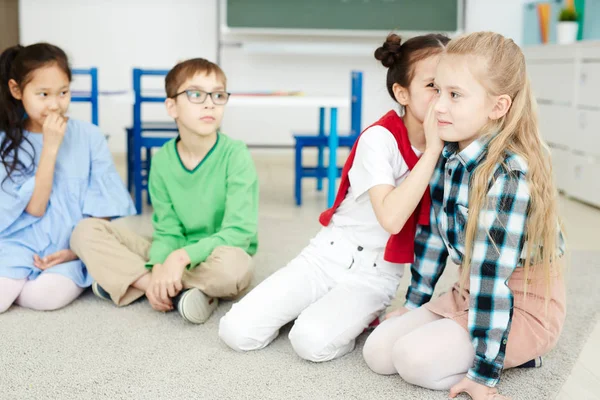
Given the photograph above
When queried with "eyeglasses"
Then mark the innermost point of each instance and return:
(199, 96)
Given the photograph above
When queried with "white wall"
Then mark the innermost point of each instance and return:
(504, 17)
(116, 36)
(313, 74)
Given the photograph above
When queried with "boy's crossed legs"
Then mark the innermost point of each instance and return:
(116, 258)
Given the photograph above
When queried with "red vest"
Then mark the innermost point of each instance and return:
(400, 247)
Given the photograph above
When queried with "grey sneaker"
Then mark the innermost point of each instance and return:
(194, 306)
(100, 292)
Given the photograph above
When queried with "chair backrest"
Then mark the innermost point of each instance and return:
(92, 95)
(138, 73)
(356, 103)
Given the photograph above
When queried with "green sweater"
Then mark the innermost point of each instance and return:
(214, 205)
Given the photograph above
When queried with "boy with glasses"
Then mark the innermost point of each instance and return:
(204, 191)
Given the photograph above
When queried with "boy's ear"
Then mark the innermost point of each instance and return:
(503, 103)
(401, 94)
(15, 90)
(171, 108)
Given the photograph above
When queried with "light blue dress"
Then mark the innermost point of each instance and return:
(86, 184)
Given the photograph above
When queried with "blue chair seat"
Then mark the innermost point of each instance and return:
(316, 172)
(319, 141)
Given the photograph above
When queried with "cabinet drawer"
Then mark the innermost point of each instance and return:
(590, 50)
(586, 183)
(588, 132)
(589, 84)
(557, 123)
(562, 168)
(553, 81)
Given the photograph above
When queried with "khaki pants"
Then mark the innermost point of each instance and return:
(116, 258)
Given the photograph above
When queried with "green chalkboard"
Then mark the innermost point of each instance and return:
(369, 15)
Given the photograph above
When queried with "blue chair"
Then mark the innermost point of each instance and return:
(91, 96)
(142, 137)
(320, 140)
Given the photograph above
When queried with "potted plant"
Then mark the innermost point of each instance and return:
(567, 26)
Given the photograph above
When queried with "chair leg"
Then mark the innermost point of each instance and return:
(332, 169)
(298, 175)
(320, 166)
(148, 162)
(129, 160)
(137, 176)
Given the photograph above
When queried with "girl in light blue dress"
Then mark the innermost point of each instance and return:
(53, 172)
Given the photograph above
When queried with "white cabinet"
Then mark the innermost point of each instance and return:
(566, 82)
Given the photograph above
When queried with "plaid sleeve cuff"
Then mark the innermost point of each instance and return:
(415, 299)
(485, 372)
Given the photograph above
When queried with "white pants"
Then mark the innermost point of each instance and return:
(334, 288)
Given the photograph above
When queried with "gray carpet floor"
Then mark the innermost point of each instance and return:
(92, 350)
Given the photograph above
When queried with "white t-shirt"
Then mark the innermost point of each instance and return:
(377, 161)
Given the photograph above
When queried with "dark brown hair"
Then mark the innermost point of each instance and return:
(19, 63)
(188, 69)
(400, 58)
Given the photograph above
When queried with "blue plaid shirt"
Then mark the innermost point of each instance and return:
(499, 242)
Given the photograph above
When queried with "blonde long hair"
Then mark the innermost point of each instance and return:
(503, 71)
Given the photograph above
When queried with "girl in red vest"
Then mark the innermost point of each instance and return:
(495, 215)
(351, 269)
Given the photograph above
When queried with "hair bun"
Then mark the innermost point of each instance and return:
(390, 51)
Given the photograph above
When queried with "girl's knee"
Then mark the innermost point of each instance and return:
(239, 334)
(5, 304)
(377, 354)
(226, 273)
(312, 342)
(409, 362)
(9, 291)
(417, 366)
(49, 292)
(40, 301)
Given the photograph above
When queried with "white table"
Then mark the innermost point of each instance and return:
(331, 103)
(289, 101)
